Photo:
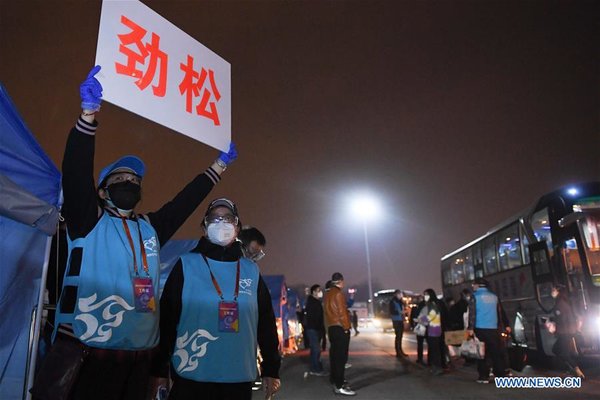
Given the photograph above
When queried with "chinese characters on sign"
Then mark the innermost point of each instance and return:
(192, 84)
(153, 69)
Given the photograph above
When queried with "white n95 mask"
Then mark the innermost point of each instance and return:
(221, 233)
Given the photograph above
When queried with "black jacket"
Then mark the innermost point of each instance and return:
(314, 315)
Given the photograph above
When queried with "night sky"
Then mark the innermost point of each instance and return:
(456, 114)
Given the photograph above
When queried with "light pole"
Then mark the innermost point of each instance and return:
(365, 208)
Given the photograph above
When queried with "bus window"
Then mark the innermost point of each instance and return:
(477, 254)
(574, 269)
(509, 248)
(469, 267)
(489, 256)
(591, 233)
(525, 243)
(446, 274)
(540, 224)
(478, 261)
(458, 270)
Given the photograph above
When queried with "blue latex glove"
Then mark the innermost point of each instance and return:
(90, 91)
(230, 156)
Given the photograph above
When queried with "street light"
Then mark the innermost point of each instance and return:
(366, 208)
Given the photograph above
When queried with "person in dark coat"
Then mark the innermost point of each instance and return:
(397, 316)
(565, 321)
(315, 329)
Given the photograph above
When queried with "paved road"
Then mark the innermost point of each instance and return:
(377, 374)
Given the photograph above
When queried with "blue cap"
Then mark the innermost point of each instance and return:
(131, 164)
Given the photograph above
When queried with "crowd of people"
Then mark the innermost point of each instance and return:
(480, 314)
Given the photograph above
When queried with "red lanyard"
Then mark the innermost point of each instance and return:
(216, 284)
(143, 249)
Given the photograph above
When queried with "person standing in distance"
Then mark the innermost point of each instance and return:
(397, 316)
(109, 296)
(315, 329)
(337, 321)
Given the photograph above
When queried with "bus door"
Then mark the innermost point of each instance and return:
(543, 279)
(575, 280)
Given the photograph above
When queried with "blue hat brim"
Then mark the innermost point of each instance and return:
(132, 163)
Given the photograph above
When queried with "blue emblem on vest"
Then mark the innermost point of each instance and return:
(105, 314)
(202, 353)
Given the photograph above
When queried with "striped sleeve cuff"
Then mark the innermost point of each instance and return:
(212, 175)
(85, 127)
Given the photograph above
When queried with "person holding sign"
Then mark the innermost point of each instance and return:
(215, 309)
(109, 299)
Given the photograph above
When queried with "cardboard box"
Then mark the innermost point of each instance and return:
(454, 338)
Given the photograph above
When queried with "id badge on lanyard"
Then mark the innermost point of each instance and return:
(143, 294)
(143, 290)
(229, 317)
(229, 312)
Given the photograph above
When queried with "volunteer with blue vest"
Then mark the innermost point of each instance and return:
(109, 300)
(216, 308)
(486, 320)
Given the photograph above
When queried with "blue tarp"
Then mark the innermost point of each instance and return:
(277, 289)
(22, 246)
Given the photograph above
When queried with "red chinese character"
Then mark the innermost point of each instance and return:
(139, 56)
(192, 84)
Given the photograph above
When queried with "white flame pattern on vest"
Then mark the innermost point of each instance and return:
(103, 331)
(191, 363)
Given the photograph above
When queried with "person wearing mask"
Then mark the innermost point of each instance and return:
(315, 329)
(215, 309)
(432, 318)
(458, 312)
(565, 322)
(421, 334)
(486, 319)
(397, 315)
(337, 322)
(109, 297)
(253, 243)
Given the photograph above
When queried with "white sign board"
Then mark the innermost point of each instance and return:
(154, 69)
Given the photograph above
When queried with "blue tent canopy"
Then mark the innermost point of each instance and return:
(30, 196)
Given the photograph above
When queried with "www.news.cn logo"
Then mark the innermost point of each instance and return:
(552, 382)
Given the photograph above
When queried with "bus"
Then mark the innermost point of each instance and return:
(381, 307)
(555, 241)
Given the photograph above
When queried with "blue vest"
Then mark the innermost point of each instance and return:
(201, 352)
(105, 314)
(399, 307)
(486, 309)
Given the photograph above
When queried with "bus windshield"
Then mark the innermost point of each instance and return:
(591, 232)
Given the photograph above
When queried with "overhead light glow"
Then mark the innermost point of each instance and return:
(365, 207)
(573, 191)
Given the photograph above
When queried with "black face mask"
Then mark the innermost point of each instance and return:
(124, 195)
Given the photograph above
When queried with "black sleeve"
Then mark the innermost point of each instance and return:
(170, 312)
(80, 207)
(502, 318)
(471, 313)
(172, 215)
(268, 340)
